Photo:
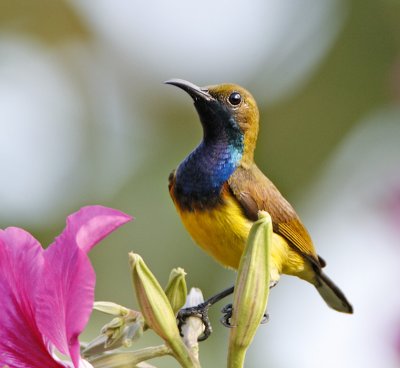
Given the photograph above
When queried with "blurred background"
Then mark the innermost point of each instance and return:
(85, 119)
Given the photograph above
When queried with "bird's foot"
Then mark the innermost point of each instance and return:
(226, 318)
(200, 311)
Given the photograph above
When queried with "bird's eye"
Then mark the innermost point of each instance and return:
(235, 98)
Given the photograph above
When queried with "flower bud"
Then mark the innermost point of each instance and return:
(111, 339)
(116, 329)
(176, 289)
(251, 290)
(111, 308)
(157, 310)
(127, 326)
(113, 330)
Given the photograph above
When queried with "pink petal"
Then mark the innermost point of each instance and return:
(65, 299)
(91, 224)
(21, 262)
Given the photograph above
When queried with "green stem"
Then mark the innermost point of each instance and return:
(236, 357)
(122, 359)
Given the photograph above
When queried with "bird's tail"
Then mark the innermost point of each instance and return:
(332, 295)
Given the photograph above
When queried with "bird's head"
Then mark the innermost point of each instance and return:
(226, 111)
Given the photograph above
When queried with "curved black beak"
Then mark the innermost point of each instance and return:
(196, 92)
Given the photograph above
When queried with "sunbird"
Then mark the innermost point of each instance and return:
(218, 191)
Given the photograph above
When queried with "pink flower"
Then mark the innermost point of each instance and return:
(46, 296)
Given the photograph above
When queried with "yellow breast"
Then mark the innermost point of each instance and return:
(222, 233)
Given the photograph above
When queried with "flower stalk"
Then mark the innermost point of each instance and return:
(129, 359)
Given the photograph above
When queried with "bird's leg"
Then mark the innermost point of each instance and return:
(227, 311)
(201, 311)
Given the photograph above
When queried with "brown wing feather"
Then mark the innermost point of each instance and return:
(255, 192)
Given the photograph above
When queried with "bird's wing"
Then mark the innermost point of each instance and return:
(255, 192)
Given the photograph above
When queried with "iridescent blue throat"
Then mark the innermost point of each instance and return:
(201, 175)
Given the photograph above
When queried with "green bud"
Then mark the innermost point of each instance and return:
(113, 330)
(116, 322)
(157, 310)
(116, 329)
(176, 289)
(114, 335)
(251, 290)
(111, 308)
(120, 331)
